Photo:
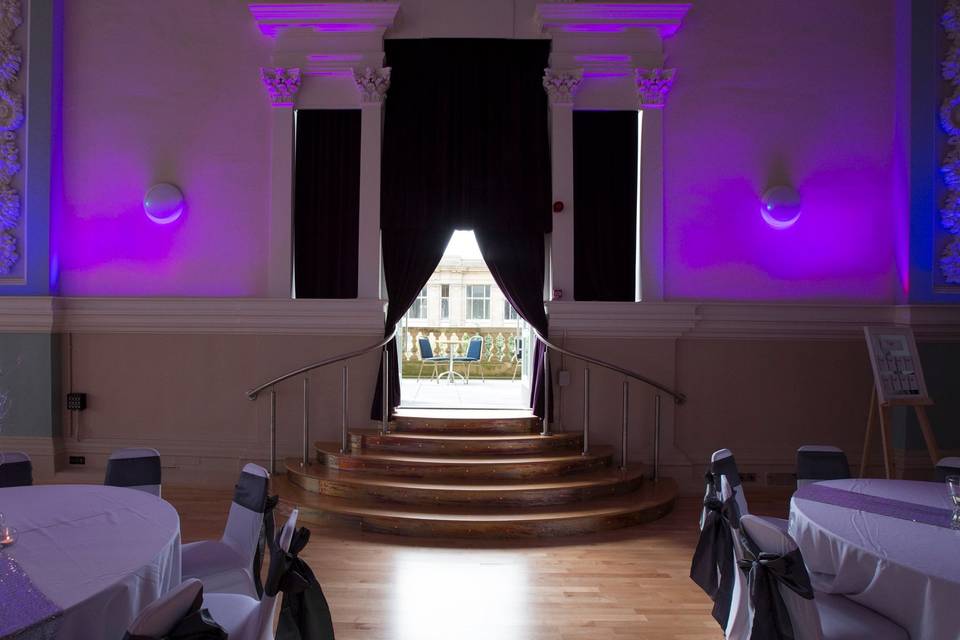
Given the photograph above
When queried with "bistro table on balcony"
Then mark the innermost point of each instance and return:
(450, 374)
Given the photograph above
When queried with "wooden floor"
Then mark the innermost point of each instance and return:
(631, 583)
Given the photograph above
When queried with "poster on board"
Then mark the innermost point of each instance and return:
(896, 364)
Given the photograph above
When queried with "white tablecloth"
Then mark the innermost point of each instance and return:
(99, 553)
(907, 571)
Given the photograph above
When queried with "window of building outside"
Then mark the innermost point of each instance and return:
(478, 301)
(444, 302)
(418, 310)
(509, 313)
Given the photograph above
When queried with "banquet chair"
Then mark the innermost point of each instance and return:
(427, 357)
(820, 462)
(245, 617)
(823, 617)
(723, 464)
(227, 565)
(135, 469)
(16, 469)
(474, 353)
(159, 618)
(945, 467)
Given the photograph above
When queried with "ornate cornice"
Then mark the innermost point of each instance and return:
(950, 120)
(612, 18)
(562, 85)
(653, 85)
(282, 85)
(273, 18)
(373, 84)
(11, 119)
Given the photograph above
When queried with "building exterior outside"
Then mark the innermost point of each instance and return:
(462, 293)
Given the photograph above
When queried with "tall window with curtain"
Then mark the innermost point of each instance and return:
(605, 163)
(326, 203)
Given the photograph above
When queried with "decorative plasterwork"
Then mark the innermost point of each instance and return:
(11, 119)
(653, 85)
(324, 17)
(282, 85)
(612, 18)
(562, 85)
(373, 84)
(950, 119)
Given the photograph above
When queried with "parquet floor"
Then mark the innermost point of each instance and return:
(631, 583)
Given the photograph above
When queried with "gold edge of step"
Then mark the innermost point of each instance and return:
(438, 437)
(333, 450)
(603, 477)
(661, 494)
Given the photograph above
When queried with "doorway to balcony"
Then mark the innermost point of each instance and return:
(462, 343)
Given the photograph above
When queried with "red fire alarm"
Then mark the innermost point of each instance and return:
(558, 206)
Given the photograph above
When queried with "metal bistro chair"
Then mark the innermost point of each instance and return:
(474, 353)
(427, 357)
(517, 356)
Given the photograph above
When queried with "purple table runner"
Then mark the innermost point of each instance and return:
(875, 504)
(22, 605)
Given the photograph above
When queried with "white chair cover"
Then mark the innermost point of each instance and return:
(821, 462)
(16, 469)
(158, 618)
(134, 469)
(226, 565)
(947, 467)
(245, 617)
(827, 616)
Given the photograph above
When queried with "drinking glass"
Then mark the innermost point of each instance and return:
(953, 490)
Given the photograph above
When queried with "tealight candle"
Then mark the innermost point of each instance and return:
(7, 536)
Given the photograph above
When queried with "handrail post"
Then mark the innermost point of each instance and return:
(546, 391)
(344, 445)
(306, 421)
(586, 410)
(385, 413)
(656, 438)
(273, 432)
(623, 428)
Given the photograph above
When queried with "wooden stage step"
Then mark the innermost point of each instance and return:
(464, 445)
(320, 479)
(464, 422)
(485, 467)
(651, 501)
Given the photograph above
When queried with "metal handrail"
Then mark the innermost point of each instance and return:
(678, 397)
(253, 393)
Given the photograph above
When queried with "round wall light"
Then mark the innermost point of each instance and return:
(780, 207)
(163, 203)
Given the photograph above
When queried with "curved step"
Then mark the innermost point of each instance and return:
(651, 501)
(464, 422)
(464, 445)
(350, 485)
(477, 467)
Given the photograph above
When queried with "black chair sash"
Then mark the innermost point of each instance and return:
(258, 554)
(16, 474)
(197, 624)
(133, 472)
(712, 567)
(765, 572)
(304, 614)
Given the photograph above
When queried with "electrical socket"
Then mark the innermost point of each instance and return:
(78, 460)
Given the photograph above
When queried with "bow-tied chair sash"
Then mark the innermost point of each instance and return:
(713, 567)
(765, 574)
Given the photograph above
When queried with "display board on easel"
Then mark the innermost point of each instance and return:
(898, 381)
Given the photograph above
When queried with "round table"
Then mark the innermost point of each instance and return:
(96, 554)
(450, 374)
(908, 571)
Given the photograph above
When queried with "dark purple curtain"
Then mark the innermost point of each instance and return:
(465, 146)
(410, 256)
(517, 261)
(604, 205)
(326, 203)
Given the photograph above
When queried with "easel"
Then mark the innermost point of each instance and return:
(898, 381)
(884, 409)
